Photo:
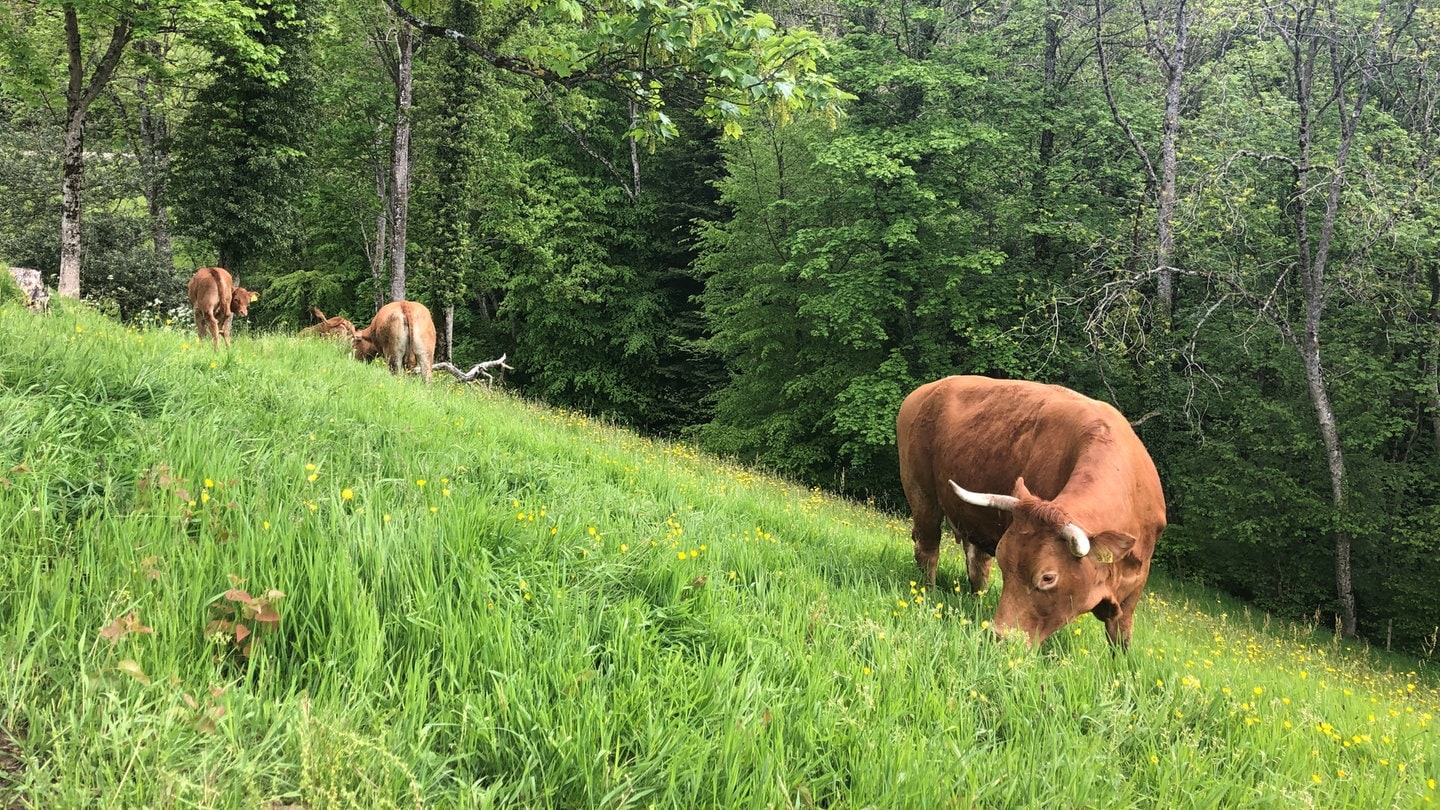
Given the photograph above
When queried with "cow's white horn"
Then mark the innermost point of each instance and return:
(1005, 503)
(1075, 536)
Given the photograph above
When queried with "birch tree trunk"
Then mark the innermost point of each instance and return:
(1173, 64)
(1312, 27)
(378, 253)
(400, 160)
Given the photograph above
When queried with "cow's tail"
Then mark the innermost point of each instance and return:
(406, 348)
(219, 287)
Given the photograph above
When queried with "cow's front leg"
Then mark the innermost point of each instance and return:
(1120, 623)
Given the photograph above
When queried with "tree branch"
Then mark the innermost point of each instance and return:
(1120, 120)
(514, 64)
(478, 370)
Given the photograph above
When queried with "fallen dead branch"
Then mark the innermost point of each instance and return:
(474, 374)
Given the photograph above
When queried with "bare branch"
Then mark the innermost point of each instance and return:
(478, 370)
(632, 188)
(514, 64)
(1120, 120)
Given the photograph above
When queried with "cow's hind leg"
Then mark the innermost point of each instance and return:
(926, 535)
(977, 564)
(206, 326)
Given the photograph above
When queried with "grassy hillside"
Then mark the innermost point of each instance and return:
(271, 577)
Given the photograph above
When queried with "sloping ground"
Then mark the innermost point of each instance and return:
(273, 577)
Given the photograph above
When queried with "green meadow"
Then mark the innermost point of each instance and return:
(271, 577)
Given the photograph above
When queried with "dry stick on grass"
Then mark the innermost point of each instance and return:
(473, 375)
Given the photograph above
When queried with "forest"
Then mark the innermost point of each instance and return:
(756, 227)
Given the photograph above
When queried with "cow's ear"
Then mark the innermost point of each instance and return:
(1020, 490)
(1114, 545)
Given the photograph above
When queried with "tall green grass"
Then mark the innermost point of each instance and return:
(487, 603)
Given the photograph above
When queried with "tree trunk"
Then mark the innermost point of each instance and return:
(1174, 67)
(79, 94)
(1172, 64)
(154, 159)
(1041, 243)
(1335, 462)
(73, 181)
(1432, 357)
(1313, 258)
(400, 161)
(378, 254)
(449, 333)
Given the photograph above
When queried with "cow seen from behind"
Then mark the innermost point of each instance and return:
(403, 333)
(216, 301)
(1053, 484)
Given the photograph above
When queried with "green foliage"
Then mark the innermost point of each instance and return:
(851, 267)
(592, 318)
(744, 63)
(469, 186)
(241, 154)
(30, 219)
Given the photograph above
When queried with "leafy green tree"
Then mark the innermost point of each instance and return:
(643, 48)
(470, 178)
(90, 39)
(856, 265)
(241, 154)
(598, 285)
(336, 263)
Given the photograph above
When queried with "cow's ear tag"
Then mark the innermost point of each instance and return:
(1104, 555)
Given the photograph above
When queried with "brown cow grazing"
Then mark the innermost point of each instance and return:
(329, 327)
(1054, 484)
(217, 301)
(403, 333)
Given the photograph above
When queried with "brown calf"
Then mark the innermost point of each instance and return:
(329, 327)
(217, 301)
(403, 333)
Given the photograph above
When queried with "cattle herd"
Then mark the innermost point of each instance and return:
(1054, 485)
(402, 331)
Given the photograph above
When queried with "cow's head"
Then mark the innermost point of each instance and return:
(1052, 570)
(363, 347)
(240, 301)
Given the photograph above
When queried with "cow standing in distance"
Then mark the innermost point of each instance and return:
(216, 301)
(403, 333)
(1053, 484)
